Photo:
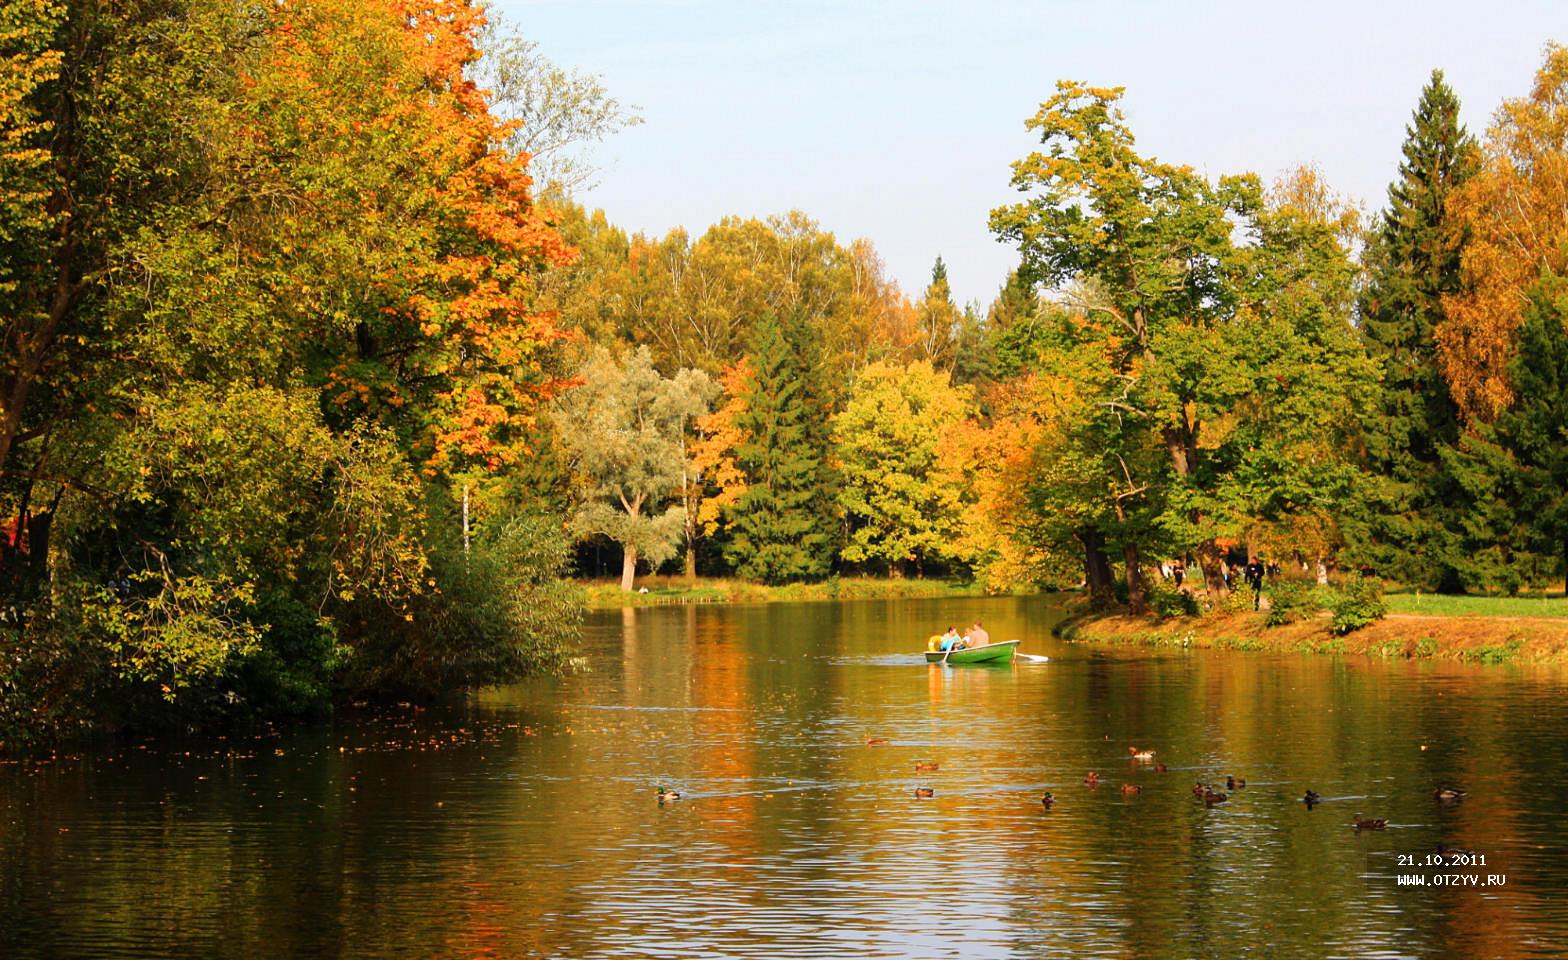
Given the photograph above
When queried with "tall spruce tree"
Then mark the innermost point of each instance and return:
(783, 524)
(1411, 531)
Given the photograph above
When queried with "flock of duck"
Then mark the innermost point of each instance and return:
(1208, 793)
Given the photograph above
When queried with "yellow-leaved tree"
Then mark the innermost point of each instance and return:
(1516, 212)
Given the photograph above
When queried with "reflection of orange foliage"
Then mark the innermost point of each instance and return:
(726, 727)
(1516, 210)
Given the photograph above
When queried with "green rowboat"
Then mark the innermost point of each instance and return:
(990, 653)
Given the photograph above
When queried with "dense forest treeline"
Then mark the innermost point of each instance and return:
(314, 372)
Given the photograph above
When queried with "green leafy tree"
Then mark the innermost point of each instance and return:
(1153, 243)
(1220, 318)
(625, 428)
(1413, 262)
(899, 505)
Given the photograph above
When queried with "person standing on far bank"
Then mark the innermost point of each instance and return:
(1254, 575)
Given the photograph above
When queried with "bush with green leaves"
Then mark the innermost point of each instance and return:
(1168, 601)
(1356, 603)
(1290, 601)
(492, 615)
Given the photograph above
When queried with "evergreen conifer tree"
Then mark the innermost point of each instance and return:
(1515, 470)
(783, 525)
(1015, 334)
(1413, 259)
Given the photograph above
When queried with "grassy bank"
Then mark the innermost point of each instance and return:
(607, 594)
(1549, 606)
(1481, 634)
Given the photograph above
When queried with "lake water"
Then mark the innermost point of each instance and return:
(525, 824)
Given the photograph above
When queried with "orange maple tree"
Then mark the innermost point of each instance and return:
(388, 140)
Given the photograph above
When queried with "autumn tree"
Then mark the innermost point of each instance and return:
(937, 318)
(1213, 326)
(558, 112)
(625, 427)
(1155, 240)
(1515, 209)
(694, 299)
(277, 253)
(899, 506)
(1413, 261)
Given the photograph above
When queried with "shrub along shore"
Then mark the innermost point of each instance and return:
(1480, 630)
(607, 595)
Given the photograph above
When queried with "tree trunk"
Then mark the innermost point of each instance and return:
(895, 569)
(1096, 569)
(691, 561)
(1212, 565)
(1137, 598)
(628, 567)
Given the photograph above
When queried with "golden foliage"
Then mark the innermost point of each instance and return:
(1516, 209)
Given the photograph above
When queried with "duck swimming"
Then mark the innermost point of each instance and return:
(1211, 797)
(1131, 789)
(1091, 779)
(1368, 823)
(668, 796)
(1047, 800)
(1449, 794)
(927, 766)
(1311, 799)
(1137, 754)
(1234, 783)
(924, 793)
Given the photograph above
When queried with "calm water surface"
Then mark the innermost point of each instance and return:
(525, 824)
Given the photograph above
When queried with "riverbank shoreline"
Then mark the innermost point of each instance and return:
(1470, 639)
(663, 591)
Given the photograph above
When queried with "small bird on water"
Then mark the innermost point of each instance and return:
(1368, 823)
(1311, 799)
(668, 796)
(1234, 783)
(1047, 800)
(927, 766)
(1449, 794)
(924, 793)
(1131, 789)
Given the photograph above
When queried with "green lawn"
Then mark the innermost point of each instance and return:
(1435, 604)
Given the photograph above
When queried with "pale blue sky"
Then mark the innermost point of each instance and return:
(896, 121)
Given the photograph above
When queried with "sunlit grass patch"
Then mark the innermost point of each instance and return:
(1441, 605)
